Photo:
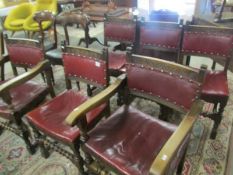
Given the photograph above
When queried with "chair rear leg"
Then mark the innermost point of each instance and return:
(78, 159)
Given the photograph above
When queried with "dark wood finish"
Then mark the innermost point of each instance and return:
(160, 165)
(84, 55)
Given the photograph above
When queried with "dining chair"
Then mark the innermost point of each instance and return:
(48, 120)
(21, 94)
(215, 43)
(132, 142)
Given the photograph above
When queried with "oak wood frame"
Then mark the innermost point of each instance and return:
(222, 101)
(41, 136)
(16, 116)
(160, 164)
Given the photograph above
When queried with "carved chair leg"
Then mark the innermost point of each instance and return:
(15, 72)
(68, 83)
(89, 91)
(2, 72)
(1, 130)
(43, 76)
(44, 152)
(78, 159)
(78, 85)
(26, 135)
(222, 105)
(181, 163)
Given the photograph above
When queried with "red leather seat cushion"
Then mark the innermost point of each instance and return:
(50, 117)
(116, 60)
(129, 140)
(22, 95)
(215, 85)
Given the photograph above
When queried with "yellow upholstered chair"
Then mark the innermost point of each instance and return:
(16, 18)
(41, 5)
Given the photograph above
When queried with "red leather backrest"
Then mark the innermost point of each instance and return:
(207, 44)
(162, 37)
(119, 32)
(25, 55)
(86, 68)
(164, 85)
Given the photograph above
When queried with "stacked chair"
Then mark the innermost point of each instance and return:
(130, 141)
(20, 95)
(215, 43)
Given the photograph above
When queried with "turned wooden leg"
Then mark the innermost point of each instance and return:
(78, 159)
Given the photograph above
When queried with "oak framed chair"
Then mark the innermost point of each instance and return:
(132, 142)
(82, 64)
(20, 94)
(215, 43)
(159, 39)
(122, 31)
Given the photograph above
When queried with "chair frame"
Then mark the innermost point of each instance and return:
(160, 164)
(21, 128)
(215, 57)
(44, 143)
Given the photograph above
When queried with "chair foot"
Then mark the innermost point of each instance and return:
(30, 147)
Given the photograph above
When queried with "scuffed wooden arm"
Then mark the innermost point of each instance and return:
(4, 59)
(23, 77)
(163, 159)
(93, 102)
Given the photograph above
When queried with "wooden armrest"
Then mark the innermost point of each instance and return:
(166, 154)
(93, 102)
(23, 77)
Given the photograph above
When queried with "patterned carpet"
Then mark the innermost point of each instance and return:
(204, 156)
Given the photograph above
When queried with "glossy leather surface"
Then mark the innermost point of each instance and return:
(90, 69)
(116, 60)
(215, 85)
(207, 43)
(129, 140)
(160, 84)
(21, 96)
(160, 37)
(119, 32)
(50, 117)
(25, 55)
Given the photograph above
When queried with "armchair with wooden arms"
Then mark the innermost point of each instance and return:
(215, 43)
(48, 120)
(122, 31)
(20, 95)
(132, 142)
(159, 39)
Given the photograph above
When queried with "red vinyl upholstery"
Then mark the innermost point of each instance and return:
(91, 69)
(116, 60)
(21, 55)
(22, 95)
(52, 119)
(186, 91)
(133, 150)
(160, 39)
(119, 32)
